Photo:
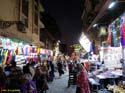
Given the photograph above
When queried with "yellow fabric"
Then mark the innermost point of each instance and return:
(5, 57)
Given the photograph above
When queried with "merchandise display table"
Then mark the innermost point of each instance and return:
(94, 84)
(115, 89)
(103, 78)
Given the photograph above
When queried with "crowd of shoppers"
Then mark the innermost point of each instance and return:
(32, 77)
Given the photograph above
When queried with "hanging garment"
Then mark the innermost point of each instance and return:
(5, 56)
(10, 57)
(0, 56)
(112, 43)
(16, 51)
(13, 55)
(4, 44)
(35, 51)
(1, 43)
(8, 44)
(109, 36)
(123, 34)
(26, 51)
(31, 50)
(123, 31)
(19, 51)
(114, 35)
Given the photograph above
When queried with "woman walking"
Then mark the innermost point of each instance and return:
(82, 80)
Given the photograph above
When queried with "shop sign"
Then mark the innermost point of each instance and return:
(85, 42)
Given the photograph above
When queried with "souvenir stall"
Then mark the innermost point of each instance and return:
(118, 30)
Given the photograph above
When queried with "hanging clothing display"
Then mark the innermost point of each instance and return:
(13, 49)
(122, 30)
(109, 36)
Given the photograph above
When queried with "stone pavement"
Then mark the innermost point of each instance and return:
(59, 85)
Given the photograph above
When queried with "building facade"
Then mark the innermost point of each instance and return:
(51, 34)
(90, 11)
(20, 19)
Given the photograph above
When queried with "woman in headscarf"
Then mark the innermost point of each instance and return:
(82, 80)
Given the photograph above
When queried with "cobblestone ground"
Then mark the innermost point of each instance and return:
(59, 85)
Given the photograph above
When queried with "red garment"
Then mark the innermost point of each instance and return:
(123, 28)
(86, 64)
(83, 82)
(17, 51)
(109, 36)
(10, 58)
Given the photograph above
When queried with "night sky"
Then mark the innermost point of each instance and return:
(67, 14)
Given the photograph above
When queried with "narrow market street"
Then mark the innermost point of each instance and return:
(62, 46)
(59, 85)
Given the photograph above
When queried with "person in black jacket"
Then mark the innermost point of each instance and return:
(51, 71)
(60, 69)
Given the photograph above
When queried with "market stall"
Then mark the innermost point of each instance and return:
(13, 49)
(110, 75)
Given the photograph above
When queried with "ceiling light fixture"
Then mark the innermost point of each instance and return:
(112, 5)
(95, 25)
